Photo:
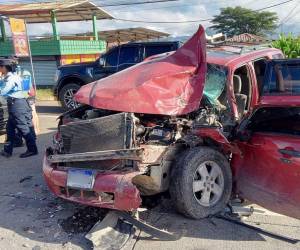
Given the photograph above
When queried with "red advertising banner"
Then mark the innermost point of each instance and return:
(19, 35)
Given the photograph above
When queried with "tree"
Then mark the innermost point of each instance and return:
(238, 20)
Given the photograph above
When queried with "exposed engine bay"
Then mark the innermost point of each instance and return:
(143, 142)
(141, 129)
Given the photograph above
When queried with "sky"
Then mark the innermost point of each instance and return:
(182, 10)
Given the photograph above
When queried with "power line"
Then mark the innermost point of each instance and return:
(171, 6)
(290, 14)
(117, 3)
(170, 22)
(137, 3)
(193, 21)
(156, 8)
(274, 5)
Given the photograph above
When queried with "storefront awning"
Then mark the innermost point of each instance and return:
(65, 11)
(131, 34)
(126, 35)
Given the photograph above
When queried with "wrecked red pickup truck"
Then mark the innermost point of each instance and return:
(203, 123)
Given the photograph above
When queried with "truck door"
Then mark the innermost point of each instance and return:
(267, 171)
(129, 56)
(107, 64)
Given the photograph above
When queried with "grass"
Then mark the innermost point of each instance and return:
(45, 94)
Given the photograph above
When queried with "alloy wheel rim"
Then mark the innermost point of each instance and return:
(208, 183)
(69, 98)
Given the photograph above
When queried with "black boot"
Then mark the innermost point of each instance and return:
(28, 154)
(31, 146)
(5, 154)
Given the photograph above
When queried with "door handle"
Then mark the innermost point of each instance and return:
(290, 152)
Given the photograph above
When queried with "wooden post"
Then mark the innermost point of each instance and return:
(54, 25)
(95, 32)
(2, 27)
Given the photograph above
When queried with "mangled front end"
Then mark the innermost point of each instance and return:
(122, 144)
(124, 155)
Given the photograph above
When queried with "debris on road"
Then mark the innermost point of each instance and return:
(260, 230)
(241, 211)
(155, 232)
(110, 233)
(116, 229)
(83, 220)
(27, 178)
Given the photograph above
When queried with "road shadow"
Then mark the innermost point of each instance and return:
(49, 108)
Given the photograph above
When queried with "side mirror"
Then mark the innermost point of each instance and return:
(101, 61)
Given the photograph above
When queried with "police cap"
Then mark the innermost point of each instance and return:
(7, 62)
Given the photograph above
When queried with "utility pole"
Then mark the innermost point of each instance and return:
(54, 25)
(2, 27)
(95, 31)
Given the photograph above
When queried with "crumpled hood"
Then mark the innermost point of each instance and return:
(169, 85)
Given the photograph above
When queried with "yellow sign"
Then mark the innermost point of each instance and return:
(69, 59)
(17, 25)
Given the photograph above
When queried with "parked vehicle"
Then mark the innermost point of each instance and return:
(202, 126)
(69, 78)
(3, 114)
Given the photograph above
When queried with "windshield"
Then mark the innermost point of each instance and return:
(216, 78)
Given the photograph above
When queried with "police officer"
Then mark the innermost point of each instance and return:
(20, 117)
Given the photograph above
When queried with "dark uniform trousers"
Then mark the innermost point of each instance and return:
(20, 119)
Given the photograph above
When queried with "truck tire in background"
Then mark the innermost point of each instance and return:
(66, 95)
(201, 182)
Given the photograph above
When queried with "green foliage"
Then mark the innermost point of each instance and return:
(289, 45)
(238, 20)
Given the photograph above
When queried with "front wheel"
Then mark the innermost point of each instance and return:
(201, 183)
(66, 96)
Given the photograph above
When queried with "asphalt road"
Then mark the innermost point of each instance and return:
(32, 218)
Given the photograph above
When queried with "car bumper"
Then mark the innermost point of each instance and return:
(111, 190)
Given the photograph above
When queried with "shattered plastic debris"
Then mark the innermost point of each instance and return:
(110, 233)
(83, 220)
(27, 178)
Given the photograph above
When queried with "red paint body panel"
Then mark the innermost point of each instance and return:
(216, 135)
(236, 60)
(280, 100)
(172, 85)
(266, 176)
(126, 195)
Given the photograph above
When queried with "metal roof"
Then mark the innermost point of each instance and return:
(65, 11)
(247, 38)
(131, 34)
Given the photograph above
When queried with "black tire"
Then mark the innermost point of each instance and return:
(184, 174)
(66, 91)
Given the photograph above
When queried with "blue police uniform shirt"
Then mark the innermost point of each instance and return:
(11, 86)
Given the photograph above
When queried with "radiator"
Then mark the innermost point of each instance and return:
(106, 133)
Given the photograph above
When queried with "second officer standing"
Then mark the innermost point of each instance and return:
(20, 113)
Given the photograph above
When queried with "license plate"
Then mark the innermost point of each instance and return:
(83, 179)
